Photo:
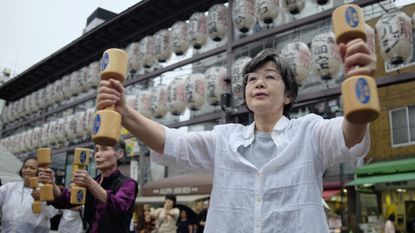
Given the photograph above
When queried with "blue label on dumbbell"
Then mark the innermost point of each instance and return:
(352, 18)
(82, 157)
(362, 91)
(97, 124)
(79, 196)
(104, 61)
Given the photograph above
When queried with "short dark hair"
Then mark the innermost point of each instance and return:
(171, 197)
(120, 146)
(24, 162)
(287, 75)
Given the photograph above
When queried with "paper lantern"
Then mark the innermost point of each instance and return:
(94, 74)
(37, 137)
(52, 132)
(162, 45)
(198, 30)
(216, 84)
(89, 115)
(44, 139)
(134, 63)
(217, 21)
(146, 51)
(74, 83)
(243, 13)
(26, 104)
(294, 6)
(66, 80)
(80, 129)
(70, 127)
(176, 96)
(20, 108)
(237, 85)
(42, 98)
(195, 91)
(325, 55)
(144, 103)
(60, 130)
(83, 79)
(371, 37)
(267, 10)
(322, 2)
(27, 141)
(58, 90)
(298, 57)
(159, 101)
(180, 42)
(394, 30)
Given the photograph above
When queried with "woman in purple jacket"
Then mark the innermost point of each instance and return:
(110, 196)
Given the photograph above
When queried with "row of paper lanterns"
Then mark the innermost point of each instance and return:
(69, 85)
(70, 128)
(181, 93)
(160, 46)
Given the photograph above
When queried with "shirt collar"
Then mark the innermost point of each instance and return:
(281, 125)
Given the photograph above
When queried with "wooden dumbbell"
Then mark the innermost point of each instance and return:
(360, 95)
(80, 161)
(107, 122)
(44, 160)
(36, 205)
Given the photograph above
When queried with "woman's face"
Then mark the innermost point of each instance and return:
(265, 90)
(29, 169)
(106, 157)
(168, 203)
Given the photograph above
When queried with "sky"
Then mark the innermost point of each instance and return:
(31, 30)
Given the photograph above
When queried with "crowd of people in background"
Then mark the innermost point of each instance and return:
(172, 217)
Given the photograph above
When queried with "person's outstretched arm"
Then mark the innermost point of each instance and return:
(151, 133)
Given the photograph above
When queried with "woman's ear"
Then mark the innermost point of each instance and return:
(120, 154)
(287, 99)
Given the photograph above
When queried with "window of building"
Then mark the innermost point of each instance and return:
(402, 122)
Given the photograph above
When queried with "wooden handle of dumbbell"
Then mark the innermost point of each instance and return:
(81, 161)
(360, 96)
(44, 160)
(107, 122)
(36, 205)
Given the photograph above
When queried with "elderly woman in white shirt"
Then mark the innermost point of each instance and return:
(16, 204)
(267, 175)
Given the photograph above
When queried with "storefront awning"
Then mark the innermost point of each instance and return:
(389, 167)
(370, 180)
(179, 198)
(327, 194)
(193, 183)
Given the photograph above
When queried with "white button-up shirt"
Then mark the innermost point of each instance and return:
(283, 196)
